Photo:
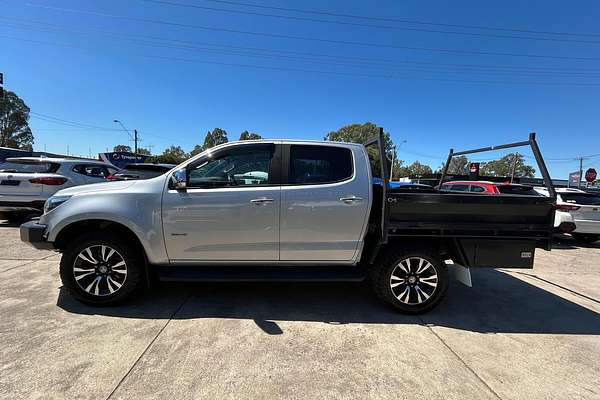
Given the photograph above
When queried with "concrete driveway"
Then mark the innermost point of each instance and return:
(519, 334)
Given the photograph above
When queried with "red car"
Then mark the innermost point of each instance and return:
(486, 187)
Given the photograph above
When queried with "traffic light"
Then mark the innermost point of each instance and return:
(1, 83)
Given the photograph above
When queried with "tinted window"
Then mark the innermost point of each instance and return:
(460, 187)
(29, 167)
(477, 189)
(516, 189)
(581, 198)
(319, 164)
(247, 166)
(95, 171)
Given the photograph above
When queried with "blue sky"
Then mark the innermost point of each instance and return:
(173, 79)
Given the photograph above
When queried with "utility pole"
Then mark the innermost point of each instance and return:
(580, 172)
(513, 167)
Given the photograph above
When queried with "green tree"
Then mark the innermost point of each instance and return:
(459, 165)
(249, 136)
(360, 133)
(144, 152)
(171, 155)
(400, 170)
(14, 123)
(418, 169)
(122, 148)
(215, 137)
(503, 166)
(196, 150)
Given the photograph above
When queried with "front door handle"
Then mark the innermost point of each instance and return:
(261, 201)
(351, 199)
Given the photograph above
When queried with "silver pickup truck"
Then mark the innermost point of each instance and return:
(284, 210)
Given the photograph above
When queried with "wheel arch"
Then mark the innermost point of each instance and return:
(78, 228)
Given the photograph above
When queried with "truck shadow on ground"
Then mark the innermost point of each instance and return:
(498, 303)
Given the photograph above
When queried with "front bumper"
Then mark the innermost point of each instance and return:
(33, 233)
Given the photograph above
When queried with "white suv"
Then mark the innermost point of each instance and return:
(585, 210)
(27, 182)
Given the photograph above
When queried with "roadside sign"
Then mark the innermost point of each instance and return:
(590, 175)
(574, 178)
(474, 171)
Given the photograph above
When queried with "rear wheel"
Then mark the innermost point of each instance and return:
(101, 269)
(585, 237)
(412, 283)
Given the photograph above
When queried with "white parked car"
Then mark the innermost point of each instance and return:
(584, 208)
(27, 182)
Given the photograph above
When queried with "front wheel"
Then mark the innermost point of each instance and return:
(100, 269)
(411, 283)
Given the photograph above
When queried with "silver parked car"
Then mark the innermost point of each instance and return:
(27, 182)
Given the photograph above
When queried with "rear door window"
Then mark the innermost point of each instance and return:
(310, 165)
(459, 187)
(517, 189)
(477, 189)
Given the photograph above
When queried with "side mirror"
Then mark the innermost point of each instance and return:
(179, 179)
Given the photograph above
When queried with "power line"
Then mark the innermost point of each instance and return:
(405, 21)
(290, 17)
(405, 65)
(84, 126)
(314, 39)
(312, 57)
(332, 73)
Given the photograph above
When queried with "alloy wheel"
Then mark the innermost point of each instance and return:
(100, 270)
(414, 280)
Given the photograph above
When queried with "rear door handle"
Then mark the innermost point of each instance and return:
(261, 201)
(351, 199)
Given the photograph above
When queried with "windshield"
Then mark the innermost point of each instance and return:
(29, 167)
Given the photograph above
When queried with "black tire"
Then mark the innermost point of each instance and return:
(585, 237)
(415, 302)
(112, 285)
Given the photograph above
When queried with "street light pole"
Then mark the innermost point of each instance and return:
(135, 135)
(394, 155)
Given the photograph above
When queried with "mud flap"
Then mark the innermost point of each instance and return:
(459, 273)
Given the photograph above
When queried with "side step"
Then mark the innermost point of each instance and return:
(193, 273)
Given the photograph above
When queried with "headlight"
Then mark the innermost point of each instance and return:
(54, 202)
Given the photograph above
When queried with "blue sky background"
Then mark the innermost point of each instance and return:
(91, 68)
